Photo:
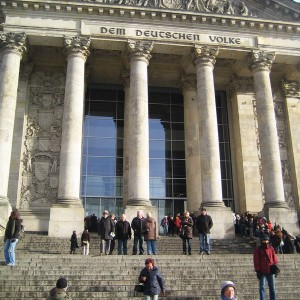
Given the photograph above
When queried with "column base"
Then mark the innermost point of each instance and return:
(139, 202)
(283, 216)
(5, 210)
(68, 202)
(222, 218)
(64, 220)
(35, 219)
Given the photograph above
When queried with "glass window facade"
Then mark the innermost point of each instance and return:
(102, 160)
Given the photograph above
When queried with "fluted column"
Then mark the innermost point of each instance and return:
(13, 46)
(138, 173)
(205, 58)
(260, 66)
(126, 84)
(70, 154)
(68, 213)
(192, 146)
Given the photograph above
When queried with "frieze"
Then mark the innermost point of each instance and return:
(166, 58)
(224, 7)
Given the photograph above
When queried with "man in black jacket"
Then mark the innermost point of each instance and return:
(123, 234)
(105, 230)
(136, 226)
(204, 223)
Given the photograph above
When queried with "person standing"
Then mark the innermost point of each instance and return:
(136, 226)
(204, 223)
(152, 279)
(123, 234)
(106, 227)
(149, 228)
(74, 243)
(264, 256)
(85, 242)
(187, 232)
(11, 237)
(113, 234)
(165, 225)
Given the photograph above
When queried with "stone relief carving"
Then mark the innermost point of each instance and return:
(42, 140)
(291, 88)
(283, 148)
(226, 7)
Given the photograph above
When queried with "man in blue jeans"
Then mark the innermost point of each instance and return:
(265, 256)
(204, 223)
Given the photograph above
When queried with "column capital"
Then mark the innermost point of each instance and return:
(140, 50)
(205, 55)
(291, 88)
(13, 42)
(261, 60)
(242, 85)
(188, 82)
(77, 45)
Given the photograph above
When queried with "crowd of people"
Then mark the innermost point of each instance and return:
(274, 239)
(256, 227)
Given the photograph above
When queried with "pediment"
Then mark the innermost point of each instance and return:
(277, 10)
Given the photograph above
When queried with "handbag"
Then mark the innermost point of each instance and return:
(274, 270)
(139, 288)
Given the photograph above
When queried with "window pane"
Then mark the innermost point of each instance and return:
(159, 112)
(157, 188)
(157, 149)
(179, 188)
(157, 168)
(107, 204)
(100, 186)
(102, 127)
(157, 130)
(178, 150)
(178, 169)
(178, 131)
(103, 109)
(101, 147)
(104, 166)
(177, 113)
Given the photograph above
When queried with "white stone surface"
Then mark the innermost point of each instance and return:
(63, 220)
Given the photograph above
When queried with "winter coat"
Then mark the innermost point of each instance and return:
(204, 223)
(154, 283)
(225, 298)
(74, 243)
(57, 294)
(106, 227)
(13, 229)
(137, 225)
(85, 236)
(187, 227)
(149, 227)
(123, 230)
(263, 258)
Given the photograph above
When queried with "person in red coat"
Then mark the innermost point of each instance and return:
(265, 256)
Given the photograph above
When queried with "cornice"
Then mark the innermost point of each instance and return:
(93, 9)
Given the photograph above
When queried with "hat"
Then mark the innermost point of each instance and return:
(61, 283)
(265, 237)
(203, 209)
(226, 284)
(149, 261)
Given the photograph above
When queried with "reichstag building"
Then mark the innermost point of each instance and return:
(158, 105)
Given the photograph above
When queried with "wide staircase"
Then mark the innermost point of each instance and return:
(41, 260)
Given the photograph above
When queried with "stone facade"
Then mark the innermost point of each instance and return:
(250, 49)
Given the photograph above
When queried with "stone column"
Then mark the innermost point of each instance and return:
(138, 173)
(126, 84)
(205, 58)
(67, 214)
(138, 143)
(204, 61)
(192, 145)
(275, 207)
(269, 146)
(13, 46)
